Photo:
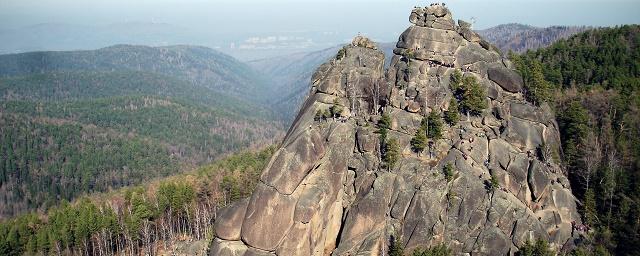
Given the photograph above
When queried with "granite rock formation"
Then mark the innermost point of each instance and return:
(325, 191)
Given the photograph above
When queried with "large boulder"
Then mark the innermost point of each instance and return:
(291, 164)
(230, 220)
(268, 218)
(509, 80)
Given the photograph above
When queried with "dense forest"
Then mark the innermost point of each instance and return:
(147, 219)
(520, 38)
(68, 132)
(592, 80)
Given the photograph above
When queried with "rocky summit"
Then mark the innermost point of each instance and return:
(327, 191)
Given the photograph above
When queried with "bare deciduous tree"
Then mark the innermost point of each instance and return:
(591, 157)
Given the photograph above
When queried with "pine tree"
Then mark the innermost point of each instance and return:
(438, 250)
(326, 114)
(452, 115)
(448, 172)
(589, 211)
(392, 153)
(538, 90)
(469, 93)
(539, 248)
(384, 124)
(455, 81)
(419, 141)
(492, 184)
(474, 96)
(433, 125)
(335, 109)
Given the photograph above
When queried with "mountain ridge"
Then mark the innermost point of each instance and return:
(197, 64)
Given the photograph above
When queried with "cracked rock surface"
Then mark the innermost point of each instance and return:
(325, 192)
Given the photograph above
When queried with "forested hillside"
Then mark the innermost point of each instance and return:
(520, 38)
(593, 81)
(150, 219)
(77, 125)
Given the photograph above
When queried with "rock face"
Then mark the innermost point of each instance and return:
(325, 191)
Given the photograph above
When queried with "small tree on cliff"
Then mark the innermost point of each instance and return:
(326, 114)
(384, 124)
(451, 115)
(469, 93)
(448, 172)
(438, 250)
(419, 141)
(391, 153)
(433, 125)
(474, 96)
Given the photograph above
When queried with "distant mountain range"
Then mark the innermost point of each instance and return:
(59, 36)
(198, 65)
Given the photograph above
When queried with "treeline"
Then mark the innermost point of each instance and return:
(139, 220)
(593, 81)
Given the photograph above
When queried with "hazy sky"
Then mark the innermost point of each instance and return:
(232, 23)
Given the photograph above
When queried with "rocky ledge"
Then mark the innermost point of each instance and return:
(325, 191)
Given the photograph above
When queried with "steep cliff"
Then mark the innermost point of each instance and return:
(327, 192)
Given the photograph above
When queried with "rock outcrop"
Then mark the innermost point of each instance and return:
(325, 192)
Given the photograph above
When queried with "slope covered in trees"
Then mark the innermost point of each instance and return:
(593, 80)
(195, 64)
(520, 38)
(146, 219)
(90, 124)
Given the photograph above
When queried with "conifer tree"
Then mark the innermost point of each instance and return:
(384, 124)
(419, 141)
(589, 211)
(452, 115)
(474, 96)
(392, 153)
(470, 94)
(448, 172)
(433, 125)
